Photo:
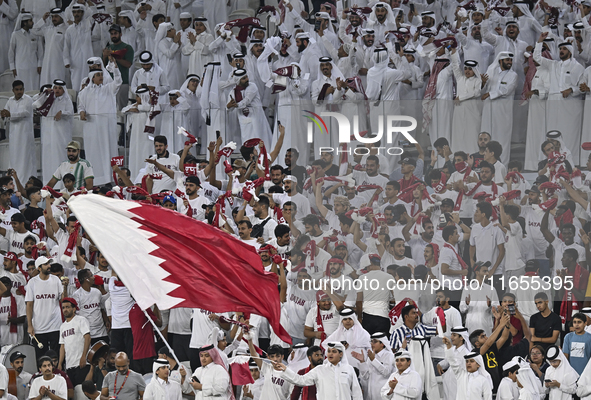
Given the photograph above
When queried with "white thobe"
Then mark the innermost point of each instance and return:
(476, 50)
(564, 114)
(325, 377)
(497, 113)
(140, 146)
(185, 57)
(100, 127)
(536, 119)
(478, 313)
(215, 381)
(330, 103)
(21, 141)
(37, 8)
(473, 386)
(154, 77)
(172, 118)
(169, 59)
(468, 114)
(508, 390)
(252, 119)
(53, 58)
(568, 384)
(450, 380)
(215, 12)
(55, 135)
(409, 387)
(198, 53)
(78, 49)
(25, 54)
(374, 373)
(195, 122)
(442, 113)
(158, 389)
(8, 13)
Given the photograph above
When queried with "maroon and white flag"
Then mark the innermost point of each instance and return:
(241, 370)
(168, 259)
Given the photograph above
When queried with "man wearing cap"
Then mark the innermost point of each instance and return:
(15, 271)
(161, 387)
(17, 362)
(53, 33)
(564, 96)
(80, 168)
(78, 44)
(12, 313)
(74, 342)
(43, 296)
(57, 110)
(124, 55)
(25, 54)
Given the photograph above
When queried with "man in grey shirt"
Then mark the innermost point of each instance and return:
(124, 383)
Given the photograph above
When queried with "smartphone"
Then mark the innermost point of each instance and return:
(194, 379)
(511, 308)
(412, 8)
(397, 47)
(317, 23)
(217, 134)
(547, 380)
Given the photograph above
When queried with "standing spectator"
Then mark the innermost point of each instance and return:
(75, 342)
(44, 293)
(410, 328)
(92, 305)
(123, 55)
(98, 108)
(545, 326)
(53, 33)
(167, 53)
(77, 44)
(26, 52)
(121, 303)
(8, 13)
(12, 314)
(57, 110)
(18, 111)
(577, 344)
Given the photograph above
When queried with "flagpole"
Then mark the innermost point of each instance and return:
(162, 337)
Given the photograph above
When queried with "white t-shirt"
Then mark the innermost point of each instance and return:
(16, 241)
(302, 203)
(268, 229)
(7, 337)
(375, 302)
(56, 385)
(91, 305)
(513, 255)
(330, 320)
(196, 206)
(179, 321)
(447, 256)
(362, 178)
(298, 304)
(166, 183)
(72, 337)
(202, 327)
(486, 240)
(275, 386)
(45, 295)
(121, 303)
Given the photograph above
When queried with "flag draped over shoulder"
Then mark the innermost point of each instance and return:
(168, 259)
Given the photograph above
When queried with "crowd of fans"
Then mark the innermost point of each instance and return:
(393, 270)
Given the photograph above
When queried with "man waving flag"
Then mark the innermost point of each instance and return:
(168, 259)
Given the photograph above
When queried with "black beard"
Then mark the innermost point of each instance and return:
(116, 40)
(301, 48)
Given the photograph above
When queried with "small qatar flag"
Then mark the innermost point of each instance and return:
(240, 370)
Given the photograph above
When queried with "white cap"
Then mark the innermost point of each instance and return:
(291, 178)
(42, 261)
